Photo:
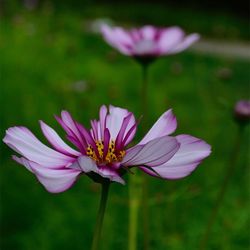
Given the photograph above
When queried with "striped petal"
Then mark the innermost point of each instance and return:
(165, 125)
(25, 143)
(190, 154)
(153, 153)
(54, 180)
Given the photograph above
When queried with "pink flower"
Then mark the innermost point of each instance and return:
(148, 42)
(102, 152)
(242, 111)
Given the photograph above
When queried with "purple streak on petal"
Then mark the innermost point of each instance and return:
(56, 141)
(94, 129)
(120, 136)
(31, 148)
(165, 125)
(152, 153)
(76, 143)
(71, 124)
(103, 117)
(129, 136)
(115, 119)
(192, 151)
(106, 142)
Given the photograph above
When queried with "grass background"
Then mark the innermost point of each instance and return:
(49, 62)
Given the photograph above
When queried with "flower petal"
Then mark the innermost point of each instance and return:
(153, 153)
(56, 141)
(118, 38)
(87, 165)
(165, 125)
(54, 180)
(148, 32)
(188, 41)
(169, 38)
(192, 151)
(115, 120)
(25, 143)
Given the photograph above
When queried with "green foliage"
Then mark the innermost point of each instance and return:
(49, 63)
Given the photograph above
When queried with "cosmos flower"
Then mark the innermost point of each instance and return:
(242, 111)
(148, 42)
(102, 153)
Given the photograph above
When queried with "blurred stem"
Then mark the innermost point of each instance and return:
(219, 200)
(145, 214)
(100, 216)
(138, 184)
(144, 93)
(134, 204)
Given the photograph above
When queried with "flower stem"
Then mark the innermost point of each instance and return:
(222, 191)
(145, 214)
(138, 184)
(100, 216)
(144, 94)
(134, 204)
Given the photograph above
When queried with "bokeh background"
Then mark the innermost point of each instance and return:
(52, 58)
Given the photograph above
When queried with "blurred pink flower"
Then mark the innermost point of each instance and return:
(102, 152)
(148, 42)
(242, 111)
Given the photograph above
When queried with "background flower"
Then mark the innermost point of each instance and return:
(148, 41)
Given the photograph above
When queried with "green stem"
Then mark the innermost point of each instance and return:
(144, 93)
(145, 214)
(100, 216)
(134, 204)
(222, 192)
(138, 184)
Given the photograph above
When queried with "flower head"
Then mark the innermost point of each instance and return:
(242, 111)
(102, 153)
(148, 42)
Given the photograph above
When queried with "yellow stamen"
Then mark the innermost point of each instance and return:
(111, 156)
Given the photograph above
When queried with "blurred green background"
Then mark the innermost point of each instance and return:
(51, 60)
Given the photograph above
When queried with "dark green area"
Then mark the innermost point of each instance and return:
(49, 63)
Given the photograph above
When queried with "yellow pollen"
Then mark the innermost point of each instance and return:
(111, 156)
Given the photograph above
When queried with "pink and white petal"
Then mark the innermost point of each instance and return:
(54, 180)
(169, 38)
(71, 125)
(110, 174)
(117, 38)
(102, 123)
(187, 42)
(148, 32)
(191, 153)
(153, 153)
(115, 120)
(25, 143)
(165, 125)
(22, 161)
(85, 164)
(56, 141)
(171, 172)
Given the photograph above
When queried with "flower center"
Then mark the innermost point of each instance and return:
(144, 47)
(112, 155)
